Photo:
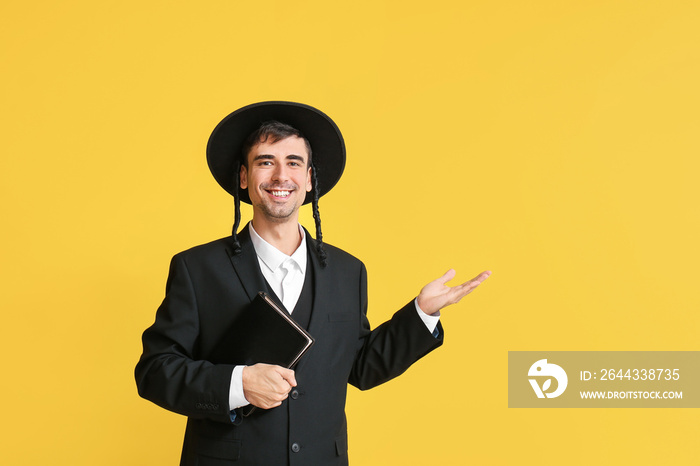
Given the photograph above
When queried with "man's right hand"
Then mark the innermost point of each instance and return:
(267, 386)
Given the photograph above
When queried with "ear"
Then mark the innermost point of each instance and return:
(244, 177)
(308, 181)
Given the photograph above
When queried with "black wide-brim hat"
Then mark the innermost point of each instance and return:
(226, 141)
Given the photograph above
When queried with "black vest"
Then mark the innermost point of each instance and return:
(302, 316)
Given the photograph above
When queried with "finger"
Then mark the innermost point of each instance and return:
(449, 275)
(288, 375)
(467, 287)
(481, 277)
(281, 397)
(476, 281)
(459, 292)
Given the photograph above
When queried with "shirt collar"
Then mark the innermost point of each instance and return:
(273, 257)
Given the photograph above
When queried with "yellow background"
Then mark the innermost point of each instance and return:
(554, 142)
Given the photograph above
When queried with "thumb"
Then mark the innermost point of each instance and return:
(449, 275)
(288, 375)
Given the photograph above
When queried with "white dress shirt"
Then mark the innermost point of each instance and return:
(285, 276)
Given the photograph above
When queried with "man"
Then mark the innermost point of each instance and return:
(277, 156)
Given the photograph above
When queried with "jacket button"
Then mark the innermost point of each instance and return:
(294, 394)
(295, 447)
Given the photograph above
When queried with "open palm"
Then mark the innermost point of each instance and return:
(437, 294)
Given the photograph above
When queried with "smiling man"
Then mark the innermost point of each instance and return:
(278, 174)
(277, 156)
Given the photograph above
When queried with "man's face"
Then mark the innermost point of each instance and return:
(277, 178)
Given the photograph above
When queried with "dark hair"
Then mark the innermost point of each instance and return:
(275, 131)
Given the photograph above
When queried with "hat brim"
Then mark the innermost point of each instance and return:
(327, 145)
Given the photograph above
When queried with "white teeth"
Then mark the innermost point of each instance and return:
(280, 193)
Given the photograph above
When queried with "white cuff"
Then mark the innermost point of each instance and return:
(430, 321)
(236, 398)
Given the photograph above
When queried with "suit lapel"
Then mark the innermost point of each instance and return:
(247, 266)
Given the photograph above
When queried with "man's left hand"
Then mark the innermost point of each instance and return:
(436, 294)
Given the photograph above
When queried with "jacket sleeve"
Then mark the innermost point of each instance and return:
(168, 373)
(388, 350)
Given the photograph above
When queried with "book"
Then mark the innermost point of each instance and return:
(263, 333)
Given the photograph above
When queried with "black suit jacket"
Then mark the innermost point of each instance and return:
(207, 287)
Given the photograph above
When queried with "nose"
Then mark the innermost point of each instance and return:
(280, 173)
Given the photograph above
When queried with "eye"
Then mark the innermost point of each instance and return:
(295, 164)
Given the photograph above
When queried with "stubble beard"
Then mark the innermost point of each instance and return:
(278, 213)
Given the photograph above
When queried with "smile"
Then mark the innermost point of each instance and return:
(280, 193)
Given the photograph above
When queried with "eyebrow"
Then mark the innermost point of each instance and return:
(271, 157)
